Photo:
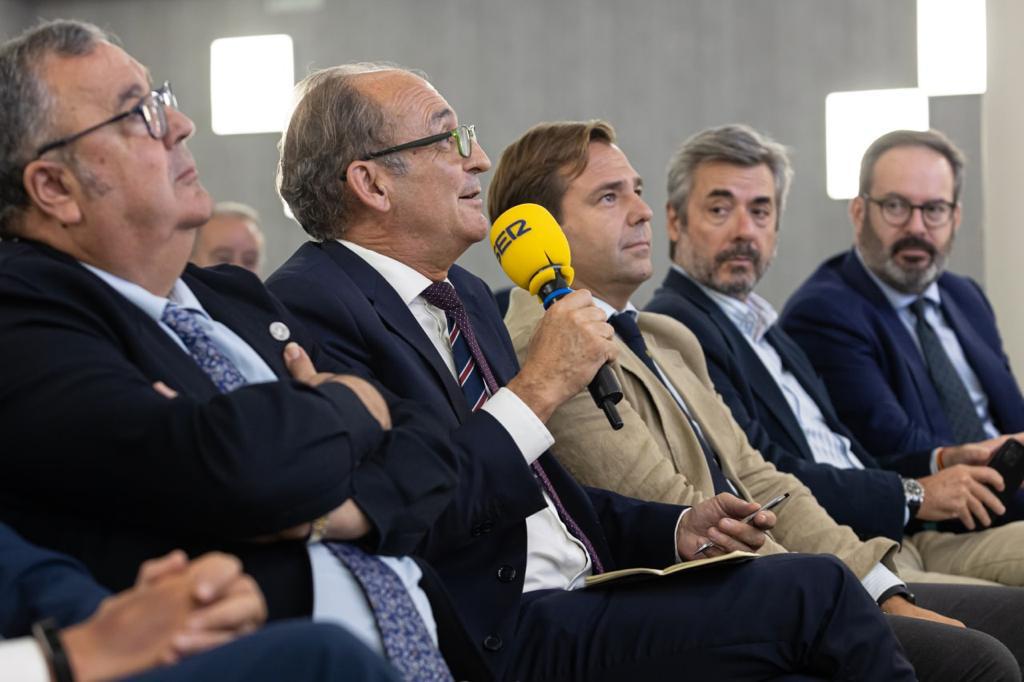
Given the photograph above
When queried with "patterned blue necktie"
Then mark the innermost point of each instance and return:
(204, 351)
(626, 326)
(407, 642)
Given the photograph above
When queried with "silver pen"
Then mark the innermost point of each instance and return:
(770, 504)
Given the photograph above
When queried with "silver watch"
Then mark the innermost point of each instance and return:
(914, 494)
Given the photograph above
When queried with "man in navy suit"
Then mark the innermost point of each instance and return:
(378, 170)
(911, 354)
(148, 405)
(177, 609)
(727, 188)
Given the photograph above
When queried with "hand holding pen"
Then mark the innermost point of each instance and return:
(728, 523)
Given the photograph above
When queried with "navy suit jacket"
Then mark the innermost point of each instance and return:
(869, 500)
(479, 545)
(874, 371)
(98, 465)
(37, 584)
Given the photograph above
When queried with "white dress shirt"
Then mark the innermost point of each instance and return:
(554, 558)
(756, 318)
(21, 660)
(947, 336)
(337, 596)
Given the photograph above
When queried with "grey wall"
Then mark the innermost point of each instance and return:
(13, 15)
(658, 70)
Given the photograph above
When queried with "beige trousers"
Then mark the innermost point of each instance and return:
(986, 557)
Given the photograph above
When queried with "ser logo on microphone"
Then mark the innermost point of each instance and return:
(509, 235)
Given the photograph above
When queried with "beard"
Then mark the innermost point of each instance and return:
(737, 283)
(884, 265)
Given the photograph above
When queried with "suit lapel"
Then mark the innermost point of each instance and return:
(856, 276)
(689, 387)
(397, 317)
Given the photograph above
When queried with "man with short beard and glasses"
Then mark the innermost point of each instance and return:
(910, 353)
(727, 189)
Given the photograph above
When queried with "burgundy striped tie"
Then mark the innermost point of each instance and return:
(478, 384)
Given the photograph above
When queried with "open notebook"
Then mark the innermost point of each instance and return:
(637, 573)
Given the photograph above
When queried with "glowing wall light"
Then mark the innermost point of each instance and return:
(951, 47)
(853, 120)
(251, 81)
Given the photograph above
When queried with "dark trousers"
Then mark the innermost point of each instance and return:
(785, 616)
(288, 650)
(993, 647)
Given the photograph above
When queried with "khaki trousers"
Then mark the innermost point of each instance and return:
(991, 556)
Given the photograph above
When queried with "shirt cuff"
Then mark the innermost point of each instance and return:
(675, 537)
(22, 660)
(879, 579)
(934, 466)
(527, 431)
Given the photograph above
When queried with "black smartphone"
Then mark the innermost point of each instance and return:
(1009, 462)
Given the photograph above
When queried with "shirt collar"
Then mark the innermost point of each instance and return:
(610, 310)
(753, 317)
(150, 303)
(898, 299)
(405, 280)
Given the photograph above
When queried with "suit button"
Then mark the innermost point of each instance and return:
(506, 574)
(492, 643)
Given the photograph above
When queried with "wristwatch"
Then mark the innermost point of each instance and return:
(47, 636)
(914, 494)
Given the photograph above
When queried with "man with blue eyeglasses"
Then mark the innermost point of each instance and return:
(910, 353)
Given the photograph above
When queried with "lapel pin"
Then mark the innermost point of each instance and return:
(280, 331)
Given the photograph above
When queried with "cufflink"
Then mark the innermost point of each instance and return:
(280, 331)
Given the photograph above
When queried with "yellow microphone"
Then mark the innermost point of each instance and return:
(533, 251)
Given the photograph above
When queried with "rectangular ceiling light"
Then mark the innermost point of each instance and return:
(951, 47)
(251, 81)
(853, 120)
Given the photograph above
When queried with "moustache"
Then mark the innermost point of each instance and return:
(743, 250)
(911, 242)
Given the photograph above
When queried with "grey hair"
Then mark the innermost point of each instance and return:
(931, 139)
(27, 114)
(735, 143)
(333, 125)
(238, 210)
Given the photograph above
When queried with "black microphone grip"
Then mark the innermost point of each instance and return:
(604, 387)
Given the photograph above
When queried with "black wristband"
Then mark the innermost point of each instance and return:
(48, 637)
(900, 590)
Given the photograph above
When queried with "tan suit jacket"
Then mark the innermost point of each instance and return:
(656, 456)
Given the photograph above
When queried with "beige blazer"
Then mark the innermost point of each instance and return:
(656, 456)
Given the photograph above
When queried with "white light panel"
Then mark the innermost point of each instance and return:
(951, 47)
(251, 81)
(853, 120)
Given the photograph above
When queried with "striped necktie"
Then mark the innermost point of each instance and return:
(478, 384)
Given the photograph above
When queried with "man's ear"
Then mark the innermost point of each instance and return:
(52, 188)
(856, 209)
(957, 216)
(672, 226)
(370, 184)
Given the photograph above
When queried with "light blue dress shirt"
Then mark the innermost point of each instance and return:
(947, 336)
(337, 595)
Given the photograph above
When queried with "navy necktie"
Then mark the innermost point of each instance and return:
(625, 325)
(478, 384)
(956, 402)
(222, 372)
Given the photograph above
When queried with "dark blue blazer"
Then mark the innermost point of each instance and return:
(98, 465)
(37, 584)
(479, 545)
(874, 371)
(870, 500)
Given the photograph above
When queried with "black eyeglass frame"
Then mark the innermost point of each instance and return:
(470, 135)
(163, 96)
(951, 205)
